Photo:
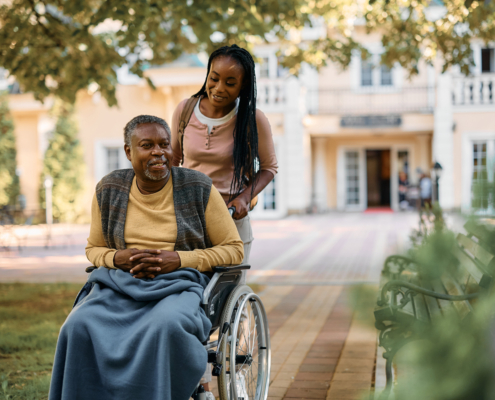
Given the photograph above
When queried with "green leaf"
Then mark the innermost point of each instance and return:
(49, 46)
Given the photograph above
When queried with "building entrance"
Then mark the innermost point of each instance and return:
(378, 178)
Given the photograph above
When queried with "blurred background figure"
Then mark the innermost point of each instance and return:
(425, 189)
(403, 185)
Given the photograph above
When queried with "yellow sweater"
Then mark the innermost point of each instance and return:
(151, 224)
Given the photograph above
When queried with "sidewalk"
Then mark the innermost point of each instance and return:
(305, 267)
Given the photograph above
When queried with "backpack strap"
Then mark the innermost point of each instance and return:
(185, 117)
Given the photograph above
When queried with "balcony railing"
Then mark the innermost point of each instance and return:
(372, 101)
(271, 95)
(474, 91)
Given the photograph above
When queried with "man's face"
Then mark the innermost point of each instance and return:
(150, 152)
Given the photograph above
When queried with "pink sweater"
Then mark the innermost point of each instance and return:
(212, 154)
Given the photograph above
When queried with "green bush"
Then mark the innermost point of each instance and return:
(64, 163)
(455, 358)
(9, 181)
(455, 361)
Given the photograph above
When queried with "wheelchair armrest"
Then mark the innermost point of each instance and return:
(224, 269)
(220, 273)
(91, 269)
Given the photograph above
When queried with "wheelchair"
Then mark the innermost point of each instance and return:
(241, 355)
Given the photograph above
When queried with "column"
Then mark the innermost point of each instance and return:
(297, 149)
(29, 160)
(320, 174)
(443, 140)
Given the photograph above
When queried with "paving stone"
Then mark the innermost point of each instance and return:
(315, 376)
(277, 391)
(346, 392)
(353, 376)
(299, 383)
(280, 383)
(317, 368)
(350, 365)
(322, 360)
(306, 394)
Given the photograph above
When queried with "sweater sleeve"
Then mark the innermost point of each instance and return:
(266, 148)
(97, 251)
(175, 133)
(227, 249)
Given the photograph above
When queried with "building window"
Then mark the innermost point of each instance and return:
(366, 73)
(112, 159)
(115, 159)
(352, 177)
(385, 76)
(265, 67)
(479, 160)
(374, 74)
(480, 185)
(487, 60)
(281, 71)
(269, 196)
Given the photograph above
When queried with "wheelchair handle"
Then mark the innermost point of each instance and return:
(231, 210)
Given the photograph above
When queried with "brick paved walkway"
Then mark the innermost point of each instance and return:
(320, 349)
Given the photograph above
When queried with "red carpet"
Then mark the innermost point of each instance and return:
(376, 210)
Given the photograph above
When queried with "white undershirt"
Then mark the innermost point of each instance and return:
(211, 122)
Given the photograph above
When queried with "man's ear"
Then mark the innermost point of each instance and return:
(127, 152)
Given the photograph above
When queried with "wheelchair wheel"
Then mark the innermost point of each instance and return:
(245, 349)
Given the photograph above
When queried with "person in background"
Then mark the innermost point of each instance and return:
(403, 185)
(425, 190)
(219, 132)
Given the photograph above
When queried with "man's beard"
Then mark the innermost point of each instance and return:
(149, 175)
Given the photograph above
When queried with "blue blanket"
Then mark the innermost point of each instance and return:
(133, 339)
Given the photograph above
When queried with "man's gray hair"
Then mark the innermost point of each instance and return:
(142, 119)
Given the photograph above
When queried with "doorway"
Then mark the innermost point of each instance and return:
(378, 178)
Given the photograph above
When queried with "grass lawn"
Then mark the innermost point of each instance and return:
(30, 319)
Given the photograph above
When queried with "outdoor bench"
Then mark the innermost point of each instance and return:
(409, 302)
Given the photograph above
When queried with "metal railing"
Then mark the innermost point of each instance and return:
(473, 91)
(372, 101)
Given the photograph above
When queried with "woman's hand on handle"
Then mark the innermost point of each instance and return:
(242, 204)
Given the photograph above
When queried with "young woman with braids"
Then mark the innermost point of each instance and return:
(227, 138)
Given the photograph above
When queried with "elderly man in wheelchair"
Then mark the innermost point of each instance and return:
(165, 300)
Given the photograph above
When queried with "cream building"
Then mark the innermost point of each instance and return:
(342, 138)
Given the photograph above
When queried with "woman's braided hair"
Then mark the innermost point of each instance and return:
(245, 132)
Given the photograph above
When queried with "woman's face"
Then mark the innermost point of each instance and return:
(225, 81)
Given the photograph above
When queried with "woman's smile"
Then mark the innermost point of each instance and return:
(217, 98)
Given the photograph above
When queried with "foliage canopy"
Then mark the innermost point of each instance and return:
(58, 47)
